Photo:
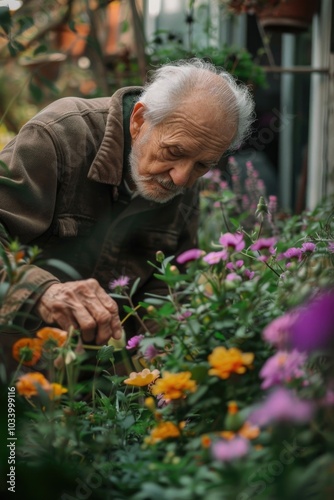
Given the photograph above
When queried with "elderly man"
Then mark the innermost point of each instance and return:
(102, 184)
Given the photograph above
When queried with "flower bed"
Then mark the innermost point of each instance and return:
(231, 398)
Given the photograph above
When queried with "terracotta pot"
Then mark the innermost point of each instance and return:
(72, 42)
(45, 66)
(291, 16)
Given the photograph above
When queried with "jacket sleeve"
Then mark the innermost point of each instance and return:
(28, 186)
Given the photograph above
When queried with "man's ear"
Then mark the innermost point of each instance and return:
(137, 119)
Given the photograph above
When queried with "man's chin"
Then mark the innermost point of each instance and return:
(158, 195)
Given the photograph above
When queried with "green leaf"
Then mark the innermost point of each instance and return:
(5, 19)
(36, 92)
(134, 287)
(105, 353)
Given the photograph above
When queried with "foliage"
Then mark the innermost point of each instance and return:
(234, 396)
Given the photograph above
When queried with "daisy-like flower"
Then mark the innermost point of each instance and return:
(266, 244)
(278, 331)
(52, 337)
(293, 253)
(227, 451)
(224, 362)
(120, 283)
(284, 366)
(134, 342)
(189, 255)
(140, 379)
(28, 384)
(282, 406)
(174, 385)
(164, 430)
(27, 351)
(232, 241)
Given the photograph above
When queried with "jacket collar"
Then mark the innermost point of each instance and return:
(107, 166)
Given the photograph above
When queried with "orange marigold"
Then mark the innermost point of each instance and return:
(174, 385)
(27, 385)
(52, 337)
(57, 390)
(140, 379)
(163, 430)
(224, 361)
(27, 351)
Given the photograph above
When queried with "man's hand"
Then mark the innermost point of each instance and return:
(83, 305)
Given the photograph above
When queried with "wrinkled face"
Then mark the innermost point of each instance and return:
(171, 156)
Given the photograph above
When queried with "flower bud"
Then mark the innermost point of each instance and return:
(159, 256)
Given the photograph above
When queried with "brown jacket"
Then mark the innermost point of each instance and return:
(66, 197)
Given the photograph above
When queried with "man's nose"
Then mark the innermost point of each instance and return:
(181, 174)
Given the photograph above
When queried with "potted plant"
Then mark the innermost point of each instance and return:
(278, 15)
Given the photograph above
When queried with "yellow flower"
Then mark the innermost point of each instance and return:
(174, 385)
(163, 430)
(57, 390)
(224, 361)
(52, 337)
(140, 379)
(27, 385)
(27, 351)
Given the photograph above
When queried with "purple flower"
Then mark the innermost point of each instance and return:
(264, 244)
(183, 316)
(331, 246)
(249, 274)
(233, 241)
(215, 257)
(293, 253)
(282, 406)
(150, 353)
(284, 366)
(314, 327)
(134, 342)
(121, 282)
(188, 255)
(278, 331)
(308, 247)
(227, 451)
(233, 277)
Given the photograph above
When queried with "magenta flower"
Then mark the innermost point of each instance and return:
(233, 241)
(233, 277)
(134, 342)
(308, 247)
(215, 257)
(119, 283)
(150, 353)
(293, 253)
(314, 326)
(278, 331)
(282, 406)
(183, 316)
(189, 255)
(249, 274)
(264, 244)
(227, 451)
(283, 367)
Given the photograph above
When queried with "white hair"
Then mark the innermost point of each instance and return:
(174, 82)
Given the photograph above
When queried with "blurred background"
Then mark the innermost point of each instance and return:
(282, 49)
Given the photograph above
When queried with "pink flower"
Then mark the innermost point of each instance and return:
(284, 366)
(233, 277)
(293, 253)
(134, 342)
(227, 451)
(331, 246)
(183, 316)
(282, 406)
(233, 241)
(308, 247)
(189, 255)
(278, 331)
(314, 327)
(215, 257)
(249, 274)
(264, 244)
(119, 283)
(150, 353)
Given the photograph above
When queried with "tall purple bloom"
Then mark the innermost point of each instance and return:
(282, 406)
(134, 342)
(293, 253)
(314, 326)
(283, 367)
(227, 451)
(308, 247)
(233, 241)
